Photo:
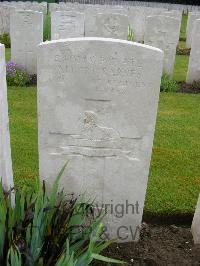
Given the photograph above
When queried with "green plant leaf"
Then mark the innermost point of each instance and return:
(106, 259)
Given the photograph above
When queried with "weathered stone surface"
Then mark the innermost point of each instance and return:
(58, 7)
(174, 14)
(163, 32)
(26, 33)
(107, 25)
(34, 6)
(138, 17)
(196, 224)
(5, 152)
(100, 115)
(190, 25)
(194, 61)
(67, 24)
(5, 13)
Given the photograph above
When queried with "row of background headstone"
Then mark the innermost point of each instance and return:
(6, 8)
(23, 45)
(43, 5)
(155, 27)
(169, 6)
(192, 16)
(28, 5)
(27, 31)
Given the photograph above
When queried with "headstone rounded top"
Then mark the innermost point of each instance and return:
(162, 17)
(99, 39)
(27, 11)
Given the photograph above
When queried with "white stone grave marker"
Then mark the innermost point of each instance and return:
(163, 32)
(194, 61)
(107, 25)
(26, 33)
(190, 25)
(67, 24)
(6, 173)
(97, 104)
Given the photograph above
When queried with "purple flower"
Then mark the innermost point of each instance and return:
(11, 68)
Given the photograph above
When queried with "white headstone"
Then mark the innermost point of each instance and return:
(67, 24)
(163, 33)
(6, 173)
(137, 22)
(60, 7)
(138, 17)
(174, 14)
(97, 103)
(196, 224)
(107, 25)
(34, 6)
(190, 25)
(5, 13)
(53, 7)
(194, 61)
(26, 33)
(40, 7)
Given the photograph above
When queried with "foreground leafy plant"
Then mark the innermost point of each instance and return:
(49, 229)
(168, 84)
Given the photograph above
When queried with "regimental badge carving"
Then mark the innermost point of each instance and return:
(95, 140)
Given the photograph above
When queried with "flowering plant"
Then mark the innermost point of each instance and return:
(16, 76)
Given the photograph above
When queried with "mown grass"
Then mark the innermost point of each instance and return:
(8, 54)
(47, 28)
(183, 27)
(180, 67)
(23, 130)
(174, 181)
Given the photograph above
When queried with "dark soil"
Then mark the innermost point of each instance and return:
(183, 51)
(189, 88)
(33, 80)
(158, 245)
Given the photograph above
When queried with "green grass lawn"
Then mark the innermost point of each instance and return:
(47, 28)
(174, 181)
(23, 130)
(183, 27)
(180, 67)
(7, 54)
